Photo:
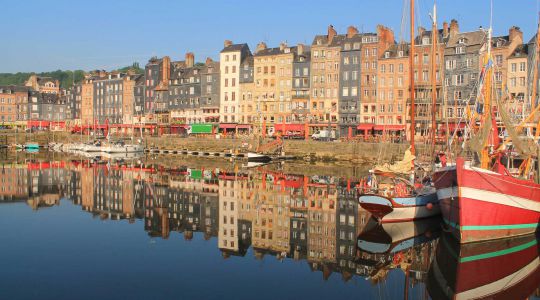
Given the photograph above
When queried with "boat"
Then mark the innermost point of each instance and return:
(121, 147)
(392, 193)
(258, 157)
(31, 146)
(496, 269)
(480, 198)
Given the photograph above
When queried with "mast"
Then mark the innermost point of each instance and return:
(411, 78)
(487, 95)
(434, 35)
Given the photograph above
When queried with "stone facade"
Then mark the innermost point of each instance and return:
(231, 58)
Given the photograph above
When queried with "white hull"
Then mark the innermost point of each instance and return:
(412, 213)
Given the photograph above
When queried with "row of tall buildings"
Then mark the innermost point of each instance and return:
(283, 215)
(354, 80)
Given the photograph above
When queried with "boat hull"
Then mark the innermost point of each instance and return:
(391, 210)
(261, 158)
(479, 205)
(496, 269)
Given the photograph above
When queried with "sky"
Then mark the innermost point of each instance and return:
(107, 34)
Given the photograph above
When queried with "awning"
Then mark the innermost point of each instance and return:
(37, 124)
(243, 126)
(227, 126)
(365, 126)
(390, 127)
(290, 127)
(452, 126)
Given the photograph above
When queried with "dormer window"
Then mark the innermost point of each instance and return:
(347, 46)
(386, 54)
(499, 43)
(400, 53)
(462, 41)
(319, 42)
(287, 50)
(425, 40)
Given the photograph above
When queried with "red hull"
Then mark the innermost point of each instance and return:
(501, 269)
(481, 205)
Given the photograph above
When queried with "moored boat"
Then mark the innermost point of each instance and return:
(257, 157)
(479, 204)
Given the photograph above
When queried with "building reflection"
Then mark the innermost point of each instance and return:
(286, 216)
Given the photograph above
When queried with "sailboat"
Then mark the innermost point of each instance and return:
(480, 198)
(387, 195)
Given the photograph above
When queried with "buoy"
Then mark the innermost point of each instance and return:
(429, 206)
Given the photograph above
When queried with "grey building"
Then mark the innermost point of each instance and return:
(73, 100)
(349, 80)
(532, 57)
(301, 83)
(210, 85)
(154, 72)
(139, 91)
(462, 66)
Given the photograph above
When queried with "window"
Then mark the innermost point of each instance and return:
(354, 91)
(460, 50)
(450, 64)
(346, 60)
(345, 92)
(499, 59)
(522, 67)
(383, 68)
(457, 95)
(425, 58)
(513, 81)
(514, 67)
(400, 68)
(522, 81)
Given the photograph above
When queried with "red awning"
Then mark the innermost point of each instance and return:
(243, 126)
(365, 126)
(290, 127)
(390, 127)
(37, 124)
(227, 126)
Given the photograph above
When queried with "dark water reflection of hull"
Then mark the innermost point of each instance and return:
(500, 269)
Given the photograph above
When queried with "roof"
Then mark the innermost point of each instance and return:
(473, 40)
(427, 33)
(13, 88)
(520, 51)
(394, 50)
(275, 51)
(235, 47)
(500, 41)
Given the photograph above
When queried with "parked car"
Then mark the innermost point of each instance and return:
(324, 135)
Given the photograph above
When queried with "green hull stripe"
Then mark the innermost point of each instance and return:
(491, 227)
(498, 253)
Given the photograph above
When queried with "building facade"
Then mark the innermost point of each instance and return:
(231, 58)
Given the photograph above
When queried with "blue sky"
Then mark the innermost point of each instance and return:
(106, 34)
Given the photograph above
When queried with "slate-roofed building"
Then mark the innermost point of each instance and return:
(301, 83)
(43, 84)
(502, 47)
(463, 58)
(73, 98)
(533, 51)
(139, 91)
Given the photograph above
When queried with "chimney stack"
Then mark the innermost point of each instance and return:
(190, 59)
(515, 32)
(300, 49)
(166, 70)
(445, 28)
(282, 46)
(454, 27)
(227, 43)
(208, 61)
(351, 31)
(260, 46)
(331, 33)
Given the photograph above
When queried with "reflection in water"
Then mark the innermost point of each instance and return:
(288, 216)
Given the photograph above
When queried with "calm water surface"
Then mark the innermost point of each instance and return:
(77, 230)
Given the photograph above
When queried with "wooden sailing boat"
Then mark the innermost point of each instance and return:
(483, 200)
(398, 200)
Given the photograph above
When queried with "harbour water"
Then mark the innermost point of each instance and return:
(77, 229)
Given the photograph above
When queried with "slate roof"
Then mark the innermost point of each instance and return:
(235, 47)
(520, 51)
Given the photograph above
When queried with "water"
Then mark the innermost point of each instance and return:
(71, 229)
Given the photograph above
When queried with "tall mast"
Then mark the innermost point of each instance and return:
(434, 34)
(487, 94)
(411, 78)
(535, 69)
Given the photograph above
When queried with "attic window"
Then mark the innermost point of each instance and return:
(319, 42)
(425, 40)
(499, 43)
(347, 46)
(386, 54)
(287, 50)
(400, 53)
(462, 41)
(356, 46)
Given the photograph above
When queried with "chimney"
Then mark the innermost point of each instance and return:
(331, 33)
(445, 28)
(454, 27)
(351, 31)
(208, 61)
(300, 49)
(385, 35)
(227, 43)
(260, 46)
(515, 32)
(166, 70)
(282, 46)
(421, 31)
(190, 60)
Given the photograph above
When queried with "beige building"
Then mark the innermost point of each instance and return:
(516, 74)
(231, 58)
(325, 59)
(43, 84)
(502, 48)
